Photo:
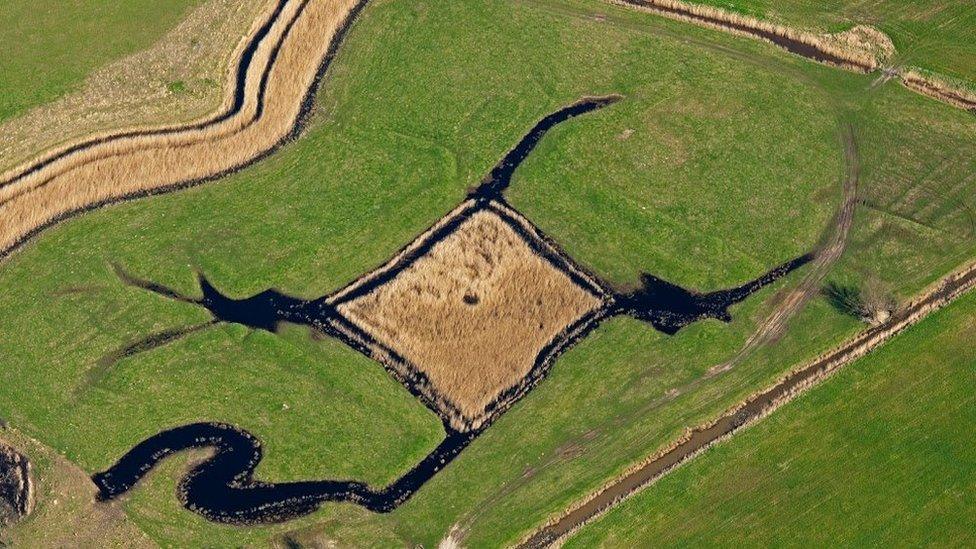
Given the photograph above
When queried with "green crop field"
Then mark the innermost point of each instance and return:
(724, 159)
(50, 47)
(931, 34)
(880, 455)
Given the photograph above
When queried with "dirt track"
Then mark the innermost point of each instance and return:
(833, 245)
(756, 407)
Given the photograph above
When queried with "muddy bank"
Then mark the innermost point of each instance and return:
(804, 44)
(16, 485)
(753, 409)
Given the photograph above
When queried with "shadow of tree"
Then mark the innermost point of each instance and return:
(846, 299)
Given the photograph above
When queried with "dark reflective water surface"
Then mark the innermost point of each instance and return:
(669, 307)
(223, 488)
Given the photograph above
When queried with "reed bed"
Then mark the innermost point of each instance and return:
(473, 314)
(861, 48)
(132, 94)
(146, 163)
(939, 88)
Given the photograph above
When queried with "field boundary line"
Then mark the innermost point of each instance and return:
(234, 85)
(286, 63)
(861, 48)
(757, 406)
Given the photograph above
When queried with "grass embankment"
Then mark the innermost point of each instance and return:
(141, 164)
(722, 160)
(181, 77)
(881, 454)
(50, 46)
(932, 34)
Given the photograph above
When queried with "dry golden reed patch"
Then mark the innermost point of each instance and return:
(142, 164)
(137, 91)
(473, 314)
(861, 48)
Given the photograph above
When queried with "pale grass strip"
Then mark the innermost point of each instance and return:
(866, 48)
(143, 164)
(116, 148)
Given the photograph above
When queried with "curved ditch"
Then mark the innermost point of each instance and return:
(223, 488)
(99, 175)
(239, 84)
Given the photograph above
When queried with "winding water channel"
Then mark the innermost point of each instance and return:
(223, 489)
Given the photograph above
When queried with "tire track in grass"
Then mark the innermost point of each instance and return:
(287, 59)
(753, 409)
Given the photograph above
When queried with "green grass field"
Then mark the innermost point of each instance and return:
(50, 47)
(733, 164)
(931, 34)
(880, 455)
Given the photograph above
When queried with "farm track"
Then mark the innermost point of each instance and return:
(833, 245)
(753, 409)
(278, 72)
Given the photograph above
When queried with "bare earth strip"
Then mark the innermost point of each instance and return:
(861, 48)
(832, 247)
(754, 408)
(182, 78)
(284, 68)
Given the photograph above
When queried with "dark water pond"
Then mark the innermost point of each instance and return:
(222, 488)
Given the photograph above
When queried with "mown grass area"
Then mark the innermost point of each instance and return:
(733, 165)
(932, 34)
(879, 455)
(49, 47)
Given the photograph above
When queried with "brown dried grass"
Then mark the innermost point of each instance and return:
(939, 88)
(862, 48)
(132, 94)
(141, 164)
(473, 314)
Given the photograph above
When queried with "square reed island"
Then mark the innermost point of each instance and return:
(471, 311)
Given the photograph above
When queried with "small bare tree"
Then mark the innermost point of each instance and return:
(871, 302)
(877, 301)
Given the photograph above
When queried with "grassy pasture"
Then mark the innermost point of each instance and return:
(424, 99)
(881, 454)
(932, 34)
(49, 47)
